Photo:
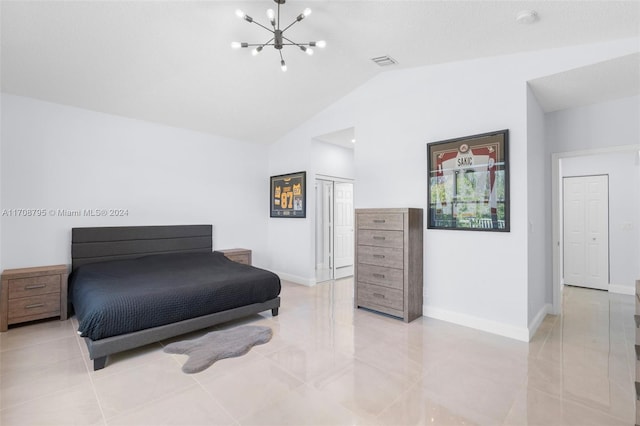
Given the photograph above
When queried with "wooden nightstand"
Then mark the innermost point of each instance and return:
(239, 255)
(28, 294)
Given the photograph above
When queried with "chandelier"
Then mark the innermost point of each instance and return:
(278, 39)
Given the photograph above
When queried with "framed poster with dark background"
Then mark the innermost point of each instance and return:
(469, 183)
(289, 195)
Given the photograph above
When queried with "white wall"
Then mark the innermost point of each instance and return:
(472, 278)
(332, 160)
(539, 215)
(59, 157)
(603, 125)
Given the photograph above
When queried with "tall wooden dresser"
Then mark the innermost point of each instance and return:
(388, 273)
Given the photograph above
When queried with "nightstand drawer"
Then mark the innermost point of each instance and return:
(381, 238)
(34, 286)
(381, 256)
(239, 258)
(45, 306)
(238, 255)
(391, 221)
(379, 275)
(374, 295)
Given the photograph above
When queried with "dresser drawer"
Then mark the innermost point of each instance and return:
(381, 256)
(381, 238)
(387, 277)
(45, 305)
(34, 286)
(370, 295)
(391, 221)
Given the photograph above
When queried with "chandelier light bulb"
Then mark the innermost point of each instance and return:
(309, 51)
(306, 12)
(257, 50)
(239, 13)
(321, 44)
(236, 45)
(272, 16)
(283, 66)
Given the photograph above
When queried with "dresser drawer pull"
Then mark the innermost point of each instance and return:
(378, 275)
(35, 305)
(379, 238)
(379, 256)
(379, 221)
(34, 286)
(378, 295)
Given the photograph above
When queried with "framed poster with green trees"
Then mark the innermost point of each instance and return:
(469, 183)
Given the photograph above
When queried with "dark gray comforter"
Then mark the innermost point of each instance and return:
(119, 297)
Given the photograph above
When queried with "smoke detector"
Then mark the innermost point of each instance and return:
(527, 17)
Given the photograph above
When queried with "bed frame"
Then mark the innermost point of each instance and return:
(91, 245)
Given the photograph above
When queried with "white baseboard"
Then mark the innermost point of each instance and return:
(309, 282)
(501, 329)
(537, 320)
(622, 289)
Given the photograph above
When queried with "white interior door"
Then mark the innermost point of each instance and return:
(586, 231)
(343, 224)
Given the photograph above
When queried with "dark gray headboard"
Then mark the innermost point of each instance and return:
(90, 245)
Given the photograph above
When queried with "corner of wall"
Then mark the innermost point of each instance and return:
(494, 327)
(622, 289)
(537, 320)
(308, 282)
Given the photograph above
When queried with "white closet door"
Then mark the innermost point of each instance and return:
(586, 231)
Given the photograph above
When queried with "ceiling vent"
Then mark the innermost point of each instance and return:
(383, 61)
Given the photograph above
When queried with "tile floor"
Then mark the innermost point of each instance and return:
(330, 365)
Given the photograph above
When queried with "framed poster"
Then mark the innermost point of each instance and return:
(288, 195)
(469, 183)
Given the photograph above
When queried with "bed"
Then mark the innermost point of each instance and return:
(131, 286)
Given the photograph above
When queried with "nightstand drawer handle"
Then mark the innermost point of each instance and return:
(378, 275)
(375, 237)
(378, 295)
(379, 221)
(35, 305)
(379, 256)
(34, 286)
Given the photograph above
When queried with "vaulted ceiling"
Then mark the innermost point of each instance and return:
(171, 62)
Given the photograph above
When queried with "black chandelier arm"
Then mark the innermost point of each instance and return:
(293, 23)
(293, 43)
(269, 42)
(260, 25)
(257, 44)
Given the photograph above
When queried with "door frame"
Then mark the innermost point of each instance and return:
(332, 179)
(320, 217)
(556, 212)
